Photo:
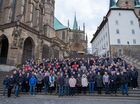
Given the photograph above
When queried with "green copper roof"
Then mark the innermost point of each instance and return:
(115, 6)
(58, 25)
(75, 24)
(137, 3)
(112, 3)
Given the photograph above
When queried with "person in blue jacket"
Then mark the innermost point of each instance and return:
(32, 84)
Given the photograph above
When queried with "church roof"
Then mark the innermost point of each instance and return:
(137, 4)
(58, 25)
(115, 6)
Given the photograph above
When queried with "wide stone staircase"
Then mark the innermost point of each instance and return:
(132, 93)
(135, 62)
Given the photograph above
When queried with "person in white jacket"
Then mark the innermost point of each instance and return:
(72, 84)
(84, 83)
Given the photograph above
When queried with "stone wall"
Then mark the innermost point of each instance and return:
(129, 50)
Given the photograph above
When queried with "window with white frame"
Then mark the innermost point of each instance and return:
(117, 22)
(118, 41)
(117, 31)
(134, 41)
(131, 22)
(133, 31)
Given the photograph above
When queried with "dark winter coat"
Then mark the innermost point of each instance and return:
(99, 81)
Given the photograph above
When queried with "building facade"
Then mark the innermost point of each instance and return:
(117, 34)
(74, 38)
(27, 31)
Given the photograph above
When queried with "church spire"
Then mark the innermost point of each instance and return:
(75, 24)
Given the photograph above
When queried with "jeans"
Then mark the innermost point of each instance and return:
(16, 90)
(106, 88)
(124, 88)
(61, 90)
(91, 87)
(66, 90)
(4, 89)
(72, 91)
(32, 90)
(46, 87)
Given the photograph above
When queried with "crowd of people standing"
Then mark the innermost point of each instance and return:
(72, 76)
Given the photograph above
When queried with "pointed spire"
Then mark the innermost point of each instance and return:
(68, 24)
(86, 37)
(84, 27)
(75, 24)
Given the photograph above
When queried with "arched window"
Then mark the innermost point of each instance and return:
(1, 2)
(63, 35)
(13, 10)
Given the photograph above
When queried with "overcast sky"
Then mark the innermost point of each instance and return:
(89, 11)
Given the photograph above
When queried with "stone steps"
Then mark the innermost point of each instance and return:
(95, 94)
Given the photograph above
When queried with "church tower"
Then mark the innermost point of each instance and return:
(126, 3)
(75, 24)
(130, 4)
(49, 6)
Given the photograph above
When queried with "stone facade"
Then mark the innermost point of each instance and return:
(75, 40)
(125, 50)
(27, 31)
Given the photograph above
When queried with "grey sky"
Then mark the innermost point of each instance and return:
(89, 11)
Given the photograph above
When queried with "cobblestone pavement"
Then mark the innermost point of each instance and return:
(40, 99)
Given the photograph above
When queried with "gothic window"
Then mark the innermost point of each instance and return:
(63, 35)
(1, 2)
(13, 9)
(25, 6)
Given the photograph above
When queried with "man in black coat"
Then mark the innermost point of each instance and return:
(46, 82)
(5, 84)
(11, 83)
(124, 82)
(134, 77)
(61, 85)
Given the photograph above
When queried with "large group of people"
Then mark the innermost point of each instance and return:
(71, 77)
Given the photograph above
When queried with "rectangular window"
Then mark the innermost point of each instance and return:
(131, 22)
(118, 41)
(117, 31)
(133, 31)
(119, 14)
(117, 22)
(134, 41)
